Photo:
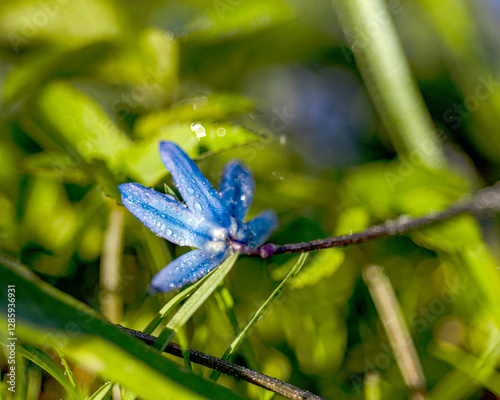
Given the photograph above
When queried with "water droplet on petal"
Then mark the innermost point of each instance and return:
(197, 206)
(168, 232)
(190, 190)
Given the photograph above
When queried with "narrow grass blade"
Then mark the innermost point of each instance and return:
(477, 369)
(167, 308)
(260, 312)
(183, 343)
(199, 297)
(194, 302)
(43, 360)
(168, 334)
(103, 391)
(68, 372)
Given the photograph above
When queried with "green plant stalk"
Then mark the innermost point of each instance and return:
(371, 386)
(381, 60)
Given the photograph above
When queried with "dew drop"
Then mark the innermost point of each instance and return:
(221, 132)
(197, 206)
(198, 129)
(168, 232)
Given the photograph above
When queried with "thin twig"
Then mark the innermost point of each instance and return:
(485, 200)
(239, 372)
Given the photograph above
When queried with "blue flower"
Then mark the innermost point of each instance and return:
(210, 221)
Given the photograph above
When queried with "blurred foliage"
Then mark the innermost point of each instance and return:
(89, 88)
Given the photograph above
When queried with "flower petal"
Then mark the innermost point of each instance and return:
(197, 192)
(166, 217)
(236, 189)
(260, 228)
(185, 269)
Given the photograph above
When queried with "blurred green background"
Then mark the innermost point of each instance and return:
(89, 88)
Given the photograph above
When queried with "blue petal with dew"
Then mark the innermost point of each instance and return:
(199, 195)
(236, 189)
(260, 228)
(165, 216)
(185, 269)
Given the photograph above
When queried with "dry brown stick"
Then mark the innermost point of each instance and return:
(239, 372)
(485, 200)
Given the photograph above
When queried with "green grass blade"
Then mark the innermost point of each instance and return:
(167, 334)
(260, 312)
(167, 308)
(43, 360)
(205, 290)
(194, 302)
(183, 343)
(478, 370)
(68, 372)
(103, 391)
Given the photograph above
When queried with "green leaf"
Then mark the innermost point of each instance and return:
(324, 264)
(143, 161)
(129, 395)
(75, 120)
(28, 77)
(145, 67)
(60, 23)
(226, 19)
(59, 165)
(88, 340)
(215, 106)
(388, 190)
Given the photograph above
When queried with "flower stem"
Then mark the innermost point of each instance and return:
(485, 200)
